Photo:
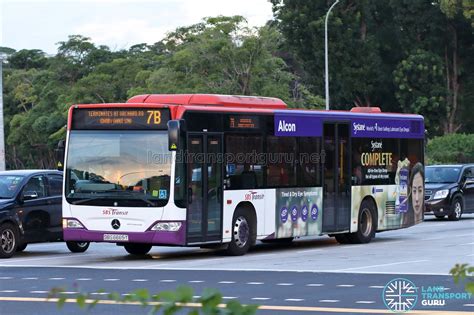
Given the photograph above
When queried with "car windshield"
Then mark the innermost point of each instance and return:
(118, 168)
(9, 185)
(441, 175)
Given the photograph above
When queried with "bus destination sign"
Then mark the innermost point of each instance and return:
(120, 118)
(243, 122)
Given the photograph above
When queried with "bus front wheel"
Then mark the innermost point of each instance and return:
(137, 249)
(77, 247)
(243, 233)
(367, 224)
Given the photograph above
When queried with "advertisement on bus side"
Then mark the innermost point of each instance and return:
(299, 211)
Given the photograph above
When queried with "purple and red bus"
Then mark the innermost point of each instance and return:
(228, 171)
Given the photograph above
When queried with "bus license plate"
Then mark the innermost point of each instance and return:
(115, 237)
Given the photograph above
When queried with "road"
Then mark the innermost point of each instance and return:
(314, 275)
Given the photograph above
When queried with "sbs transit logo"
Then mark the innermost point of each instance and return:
(253, 195)
(400, 295)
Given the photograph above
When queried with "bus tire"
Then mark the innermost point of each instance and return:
(21, 247)
(137, 249)
(8, 240)
(77, 247)
(243, 233)
(367, 224)
(344, 238)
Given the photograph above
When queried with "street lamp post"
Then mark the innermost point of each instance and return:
(326, 53)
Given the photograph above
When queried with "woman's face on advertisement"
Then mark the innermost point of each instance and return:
(417, 193)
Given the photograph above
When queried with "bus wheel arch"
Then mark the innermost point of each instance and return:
(244, 229)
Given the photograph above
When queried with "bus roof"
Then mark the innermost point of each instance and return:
(211, 100)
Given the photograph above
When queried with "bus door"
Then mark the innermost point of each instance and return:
(204, 187)
(337, 177)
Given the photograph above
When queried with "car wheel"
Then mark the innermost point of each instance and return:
(456, 209)
(77, 247)
(8, 240)
(21, 247)
(367, 225)
(137, 249)
(242, 233)
(439, 216)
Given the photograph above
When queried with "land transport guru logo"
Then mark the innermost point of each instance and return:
(401, 295)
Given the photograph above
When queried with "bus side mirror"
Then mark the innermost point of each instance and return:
(59, 153)
(175, 134)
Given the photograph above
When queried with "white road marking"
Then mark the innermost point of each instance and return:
(229, 297)
(383, 265)
(39, 292)
(468, 304)
(471, 243)
(30, 278)
(260, 298)
(294, 300)
(140, 280)
(111, 279)
(287, 284)
(196, 296)
(365, 302)
(56, 278)
(226, 282)
(196, 281)
(8, 291)
(254, 282)
(167, 280)
(234, 269)
(70, 292)
(315, 285)
(345, 285)
(328, 301)
(83, 279)
(377, 287)
(470, 234)
(6, 278)
(100, 293)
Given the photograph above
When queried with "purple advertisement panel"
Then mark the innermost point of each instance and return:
(290, 125)
(387, 128)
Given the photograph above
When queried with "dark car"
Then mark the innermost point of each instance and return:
(30, 210)
(449, 190)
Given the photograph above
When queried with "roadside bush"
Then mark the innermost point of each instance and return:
(452, 148)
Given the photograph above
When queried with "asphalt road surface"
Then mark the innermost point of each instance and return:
(313, 275)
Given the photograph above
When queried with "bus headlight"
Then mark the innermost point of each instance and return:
(72, 224)
(167, 226)
(441, 194)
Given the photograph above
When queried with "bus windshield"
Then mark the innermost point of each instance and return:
(118, 168)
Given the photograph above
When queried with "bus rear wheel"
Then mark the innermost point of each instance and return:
(137, 249)
(243, 233)
(367, 224)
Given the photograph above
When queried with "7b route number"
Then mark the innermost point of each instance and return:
(154, 117)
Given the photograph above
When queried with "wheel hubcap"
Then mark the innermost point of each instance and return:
(81, 244)
(241, 232)
(457, 209)
(366, 222)
(8, 241)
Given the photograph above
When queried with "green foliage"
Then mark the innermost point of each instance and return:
(452, 148)
(168, 302)
(464, 273)
(420, 87)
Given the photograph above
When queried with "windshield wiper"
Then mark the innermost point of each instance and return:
(124, 193)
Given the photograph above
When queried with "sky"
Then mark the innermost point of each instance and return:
(119, 24)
